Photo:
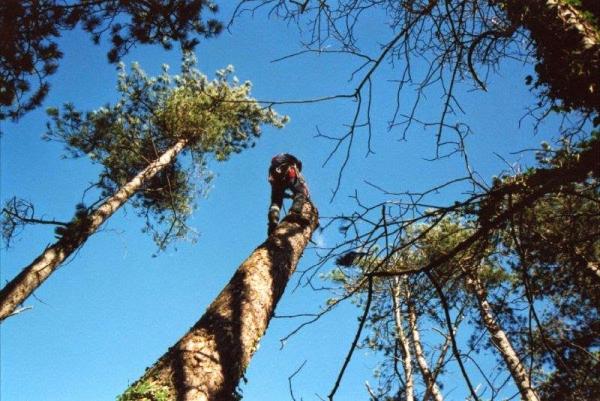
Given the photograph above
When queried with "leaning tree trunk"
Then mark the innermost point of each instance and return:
(208, 362)
(567, 48)
(430, 384)
(402, 340)
(500, 339)
(32, 276)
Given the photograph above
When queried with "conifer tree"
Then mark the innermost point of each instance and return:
(207, 363)
(139, 142)
(537, 227)
(30, 51)
(464, 282)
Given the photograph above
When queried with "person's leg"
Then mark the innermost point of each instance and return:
(275, 208)
(299, 189)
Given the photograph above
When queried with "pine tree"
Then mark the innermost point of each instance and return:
(208, 362)
(137, 141)
(30, 53)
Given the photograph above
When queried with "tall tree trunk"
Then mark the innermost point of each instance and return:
(431, 386)
(32, 276)
(500, 339)
(403, 340)
(568, 49)
(208, 362)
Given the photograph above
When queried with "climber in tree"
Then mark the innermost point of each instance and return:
(284, 174)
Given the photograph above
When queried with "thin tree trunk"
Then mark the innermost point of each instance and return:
(32, 276)
(567, 46)
(431, 386)
(500, 339)
(208, 362)
(403, 340)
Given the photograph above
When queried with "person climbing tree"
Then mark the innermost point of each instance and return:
(208, 362)
(285, 173)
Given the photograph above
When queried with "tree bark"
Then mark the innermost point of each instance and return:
(567, 47)
(594, 269)
(501, 340)
(208, 362)
(431, 386)
(403, 340)
(32, 276)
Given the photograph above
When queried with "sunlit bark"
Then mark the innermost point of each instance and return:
(501, 340)
(403, 340)
(431, 386)
(209, 360)
(32, 276)
(567, 46)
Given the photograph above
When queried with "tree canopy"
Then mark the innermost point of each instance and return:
(216, 117)
(30, 52)
(483, 285)
(139, 142)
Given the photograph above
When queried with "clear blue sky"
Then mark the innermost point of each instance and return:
(113, 310)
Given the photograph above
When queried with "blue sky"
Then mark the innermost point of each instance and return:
(113, 309)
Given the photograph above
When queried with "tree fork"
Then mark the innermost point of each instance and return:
(75, 235)
(208, 362)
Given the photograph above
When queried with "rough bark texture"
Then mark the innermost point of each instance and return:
(208, 362)
(403, 340)
(567, 46)
(500, 339)
(32, 276)
(431, 386)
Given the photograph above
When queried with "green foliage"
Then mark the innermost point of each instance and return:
(549, 248)
(216, 117)
(590, 10)
(30, 52)
(421, 244)
(580, 382)
(144, 391)
(548, 251)
(537, 268)
(567, 65)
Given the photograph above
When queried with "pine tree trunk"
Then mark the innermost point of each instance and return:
(208, 362)
(32, 276)
(431, 386)
(403, 340)
(567, 46)
(500, 339)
